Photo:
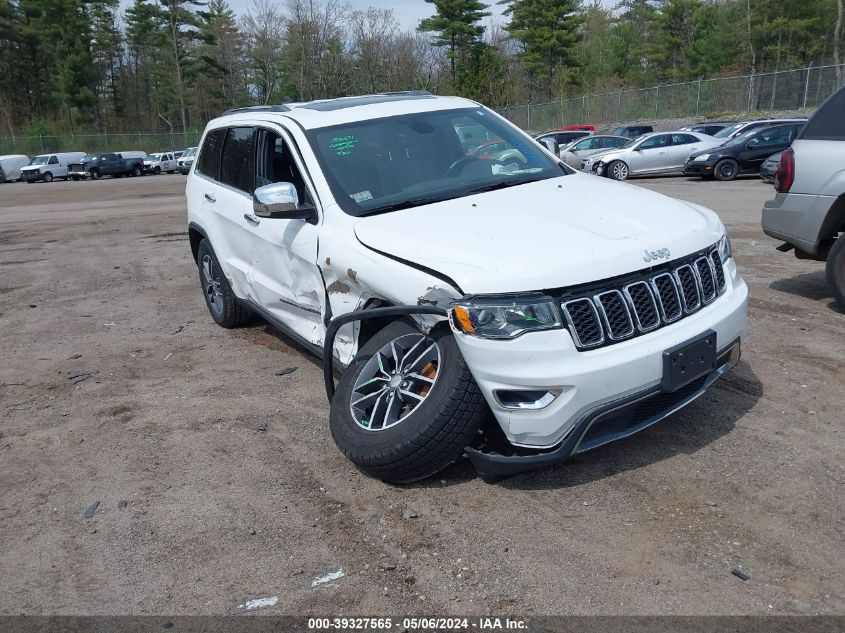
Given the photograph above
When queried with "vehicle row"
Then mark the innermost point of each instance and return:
(79, 165)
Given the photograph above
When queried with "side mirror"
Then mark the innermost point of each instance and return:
(279, 201)
(551, 145)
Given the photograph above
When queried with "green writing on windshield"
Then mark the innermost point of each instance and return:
(343, 145)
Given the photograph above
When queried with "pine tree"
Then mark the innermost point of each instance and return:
(456, 25)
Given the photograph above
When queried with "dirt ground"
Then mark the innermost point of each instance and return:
(235, 490)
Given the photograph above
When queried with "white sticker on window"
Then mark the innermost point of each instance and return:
(361, 196)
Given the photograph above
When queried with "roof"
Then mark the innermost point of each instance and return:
(329, 112)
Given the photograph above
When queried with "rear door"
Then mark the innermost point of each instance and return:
(680, 147)
(765, 143)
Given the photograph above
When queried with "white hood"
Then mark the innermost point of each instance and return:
(549, 234)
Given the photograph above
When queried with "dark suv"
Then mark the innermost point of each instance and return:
(742, 155)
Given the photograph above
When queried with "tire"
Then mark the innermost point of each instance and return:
(48, 177)
(835, 270)
(428, 437)
(136, 171)
(157, 171)
(726, 169)
(222, 303)
(75, 178)
(95, 174)
(617, 170)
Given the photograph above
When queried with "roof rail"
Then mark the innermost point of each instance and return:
(258, 108)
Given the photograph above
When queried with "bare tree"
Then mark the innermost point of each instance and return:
(264, 32)
(315, 47)
(373, 36)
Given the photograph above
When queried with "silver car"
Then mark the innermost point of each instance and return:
(655, 153)
(573, 153)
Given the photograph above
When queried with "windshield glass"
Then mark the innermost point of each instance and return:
(725, 132)
(189, 152)
(39, 160)
(404, 161)
(153, 156)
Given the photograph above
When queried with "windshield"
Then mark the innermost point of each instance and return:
(39, 160)
(152, 157)
(410, 160)
(725, 132)
(189, 152)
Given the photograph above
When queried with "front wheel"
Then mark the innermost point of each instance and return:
(95, 174)
(136, 171)
(726, 169)
(407, 405)
(835, 270)
(617, 170)
(157, 171)
(48, 177)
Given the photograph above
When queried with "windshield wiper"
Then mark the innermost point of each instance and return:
(398, 206)
(503, 184)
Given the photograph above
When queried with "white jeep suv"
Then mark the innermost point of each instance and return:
(450, 284)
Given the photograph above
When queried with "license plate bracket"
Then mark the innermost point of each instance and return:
(689, 361)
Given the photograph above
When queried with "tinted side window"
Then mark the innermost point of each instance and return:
(655, 141)
(237, 167)
(53, 161)
(683, 139)
(828, 123)
(208, 162)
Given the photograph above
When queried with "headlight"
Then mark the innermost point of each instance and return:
(504, 317)
(725, 252)
(701, 158)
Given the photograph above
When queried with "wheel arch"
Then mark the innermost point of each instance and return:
(196, 234)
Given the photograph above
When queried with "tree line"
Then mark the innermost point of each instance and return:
(74, 66)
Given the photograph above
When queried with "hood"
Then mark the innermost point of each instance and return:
(32, 167)
(549, 234)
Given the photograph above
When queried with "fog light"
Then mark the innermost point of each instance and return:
(525, 400)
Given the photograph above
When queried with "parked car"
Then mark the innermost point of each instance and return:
(744, 154)
(632, 131)
(808, 210)
(588, 127)
(562, 137)
(157, 163)
(108, 164)
(10, 167)
(732, 131)
(710, 128)
(650, 154)
(580, 149)
(770, 167)
(47, 167)
(178, 154)
(367, 210)
(186, 160)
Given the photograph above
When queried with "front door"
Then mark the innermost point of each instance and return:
(284, 275)
(650, 156)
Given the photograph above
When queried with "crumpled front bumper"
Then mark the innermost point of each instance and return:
(587, 383)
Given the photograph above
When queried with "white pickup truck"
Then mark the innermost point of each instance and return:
(808, 210)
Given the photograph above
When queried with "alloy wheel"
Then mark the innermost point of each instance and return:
(211, 284)
(620, 171)
(395, 381)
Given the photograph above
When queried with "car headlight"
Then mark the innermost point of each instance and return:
(701, 158)
(725, 252)
(504, 317)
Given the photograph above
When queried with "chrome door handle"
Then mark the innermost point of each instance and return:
(252, 219)
(210, 197)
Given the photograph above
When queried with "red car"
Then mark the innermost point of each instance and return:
(587, 128)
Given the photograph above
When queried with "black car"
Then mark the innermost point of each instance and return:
(769, 167)
(632, 131)
(743, 154)
(710, 128)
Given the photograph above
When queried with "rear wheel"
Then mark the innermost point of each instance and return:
(726, 169)
(836, 269)
(617, 170)
(222, 303)
(136, 171)
(407, 405)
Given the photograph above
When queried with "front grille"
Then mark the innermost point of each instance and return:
(76, 167)
(627, 307)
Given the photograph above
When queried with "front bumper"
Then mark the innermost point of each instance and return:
(586, 382)
(31, 176)
(698, 169)
(78, 174)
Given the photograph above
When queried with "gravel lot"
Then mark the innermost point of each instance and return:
(235, 489)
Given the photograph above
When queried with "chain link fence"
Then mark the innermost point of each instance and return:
(92, 143)
(793, 89)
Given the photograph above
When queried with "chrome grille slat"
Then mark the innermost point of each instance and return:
(619, 312)
(614, 312)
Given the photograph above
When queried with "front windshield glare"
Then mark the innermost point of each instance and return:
(39, 160)
(404, 161)
(153, 156)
